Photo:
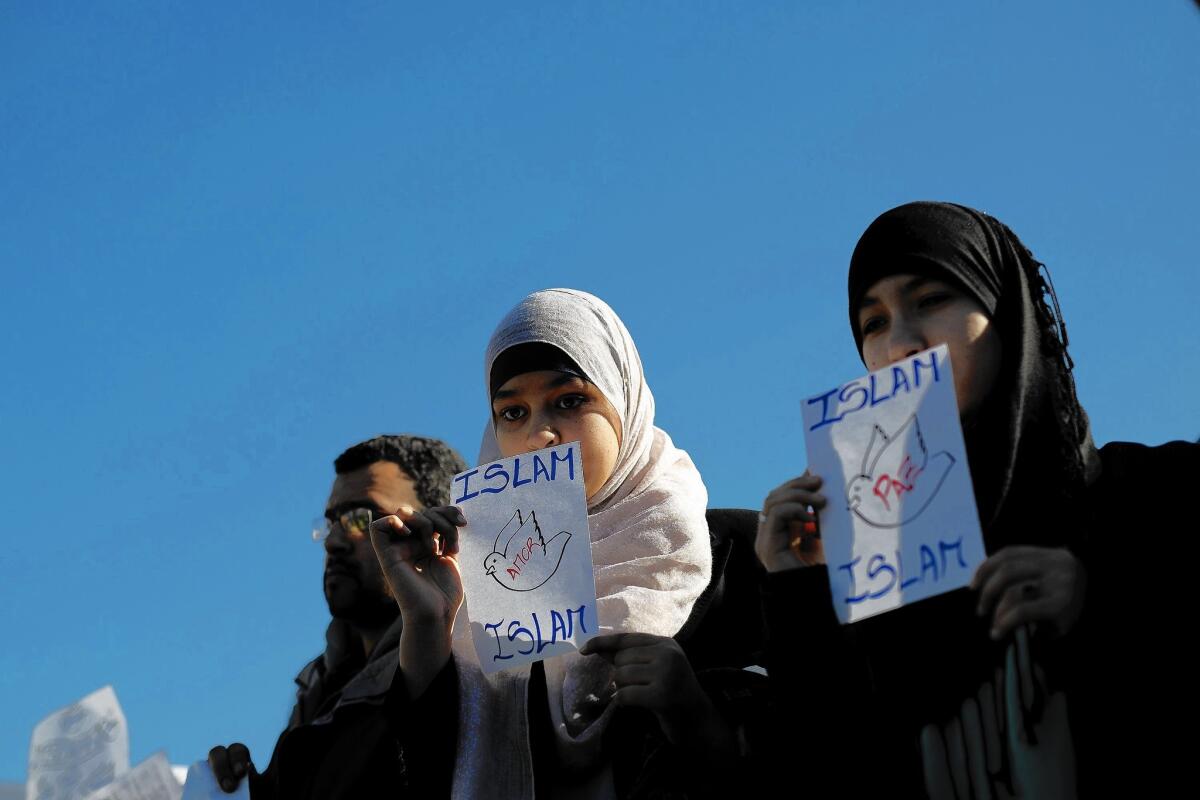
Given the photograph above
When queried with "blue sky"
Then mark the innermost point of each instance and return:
(235, 240)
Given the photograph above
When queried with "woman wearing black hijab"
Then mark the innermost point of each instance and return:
(1046, 677)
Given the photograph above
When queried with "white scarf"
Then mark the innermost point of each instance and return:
(650, 555)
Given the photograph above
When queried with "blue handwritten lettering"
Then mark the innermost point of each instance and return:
(881, 576)
(876, 565)
(494, 628)
(517, 473)
(529, 638)
(568, 459)
(466, 480)
(956, 546)
(877, 400)
(825, 418)
(516, 628)
(491, 473)
(853, 598)
(917, 364)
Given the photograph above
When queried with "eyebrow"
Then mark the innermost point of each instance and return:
(908, 287)
(562, 380)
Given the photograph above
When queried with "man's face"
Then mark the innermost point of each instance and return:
(354, 584)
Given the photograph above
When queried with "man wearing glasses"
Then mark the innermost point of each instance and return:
(342, 697)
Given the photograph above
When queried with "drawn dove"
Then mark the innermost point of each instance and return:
(526, 560)
(899, 478)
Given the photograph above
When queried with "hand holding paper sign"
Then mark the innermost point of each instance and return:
(230, 765)
(908, 528)
(787, 537)
(416, 550)
(527, 562)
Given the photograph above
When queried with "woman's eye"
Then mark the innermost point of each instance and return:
(935, 299)
(569, 401)
(872, 324)
(511, 414)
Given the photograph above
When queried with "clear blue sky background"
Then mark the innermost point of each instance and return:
(236, 239)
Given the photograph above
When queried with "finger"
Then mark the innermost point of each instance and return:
(218, 759)
(638, 696)
(1006, 555)
(389, 527)
(444, 530)
(780, 514)
(1002, 578)
(446, 573)
(634, 675)
(611, 642)
(788, 495)
(239, 759)
(634, 655)
(1013, 617)
(416, 521)
(393, 541)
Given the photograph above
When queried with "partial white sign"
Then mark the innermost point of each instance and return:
(150, 780)
(201, 784)
(901, 523)
(526, 556)
(78, 749)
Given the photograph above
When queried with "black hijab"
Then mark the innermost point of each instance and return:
(1030, 449)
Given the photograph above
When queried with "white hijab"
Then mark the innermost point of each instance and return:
(650, 555)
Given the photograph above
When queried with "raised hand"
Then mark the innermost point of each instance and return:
(416, 551)
(788, 537)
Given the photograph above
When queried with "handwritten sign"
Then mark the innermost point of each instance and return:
(901, 523)
(526, 556)
(78, 749)
(150, 780)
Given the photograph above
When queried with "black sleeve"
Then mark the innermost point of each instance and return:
(426, 732)
(819, 690)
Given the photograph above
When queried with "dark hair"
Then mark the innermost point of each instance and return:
(431, 463)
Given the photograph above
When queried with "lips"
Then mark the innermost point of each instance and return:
(338, 570)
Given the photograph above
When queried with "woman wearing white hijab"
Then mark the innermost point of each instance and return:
(561, 366)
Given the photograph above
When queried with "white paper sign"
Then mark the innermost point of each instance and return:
(78, 749)
(526, 556)
(201, 784)
(150, 780)
(901, 523)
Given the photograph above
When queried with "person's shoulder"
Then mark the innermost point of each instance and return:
(1130, 460)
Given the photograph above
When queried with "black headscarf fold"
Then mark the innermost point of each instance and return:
(1030, 449)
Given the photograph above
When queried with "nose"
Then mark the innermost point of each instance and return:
(906, 338)
(337, 541)
(541, 434)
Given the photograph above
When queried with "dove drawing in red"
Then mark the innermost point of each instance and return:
(899, 478)
(522, 559)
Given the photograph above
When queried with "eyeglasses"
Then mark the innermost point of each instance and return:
(354, 521)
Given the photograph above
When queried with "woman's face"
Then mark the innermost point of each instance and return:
(905, 314)
(544, 408)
